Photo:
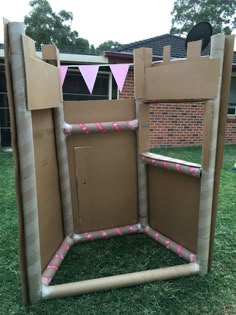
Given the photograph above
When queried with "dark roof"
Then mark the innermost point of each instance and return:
(64, 51)
(157, 43)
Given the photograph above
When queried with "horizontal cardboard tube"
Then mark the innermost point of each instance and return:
(100, 127)
(180, 166)
(171, 245)
(125, 280)
(103, 234)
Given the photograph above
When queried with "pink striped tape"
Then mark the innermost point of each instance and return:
(167, 243)
(132, 123)
(84, 128)
(192, 257)
(115, 125)
(53, 266)
(89, 236)
(100, 127)
(67, 129)
(132, 228)
(60, 256)
(46, 279)
(104, 234)
(117, 231)
(154, 162)
(65, 246)
(165, 164)
(179, 250)
(192, 171)
(178, 168)
(157, 235)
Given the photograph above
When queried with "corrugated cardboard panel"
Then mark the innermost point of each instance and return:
(173, 205)
(98, 111)
(194, 79)
(103, 173)
(142, 59)
(48, 193)
(39, 78)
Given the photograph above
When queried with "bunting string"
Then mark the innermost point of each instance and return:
(90, 72)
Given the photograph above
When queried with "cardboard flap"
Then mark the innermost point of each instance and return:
(177, 80)
(39, 78)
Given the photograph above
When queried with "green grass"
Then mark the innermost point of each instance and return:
(212, 294)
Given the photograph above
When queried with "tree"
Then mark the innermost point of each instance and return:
(219, 13)
(106, 46)
(47, 27)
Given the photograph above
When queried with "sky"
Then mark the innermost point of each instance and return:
(124, 21)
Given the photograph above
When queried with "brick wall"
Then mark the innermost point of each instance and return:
(177, 124)
(230, 132)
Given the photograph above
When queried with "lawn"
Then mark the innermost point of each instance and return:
(212, 294)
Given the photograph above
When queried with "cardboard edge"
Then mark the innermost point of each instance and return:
(227, 70)
(21, 232)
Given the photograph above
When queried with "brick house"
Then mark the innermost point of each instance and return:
(174, 124)
(170, 124)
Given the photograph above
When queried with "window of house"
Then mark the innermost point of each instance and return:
(232, 97)
(75, 88)
(5, 133)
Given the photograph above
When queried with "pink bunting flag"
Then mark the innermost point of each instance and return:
(63, 72)
(89, 73)
(120, 72)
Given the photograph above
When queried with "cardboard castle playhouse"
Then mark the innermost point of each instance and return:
(84, 171)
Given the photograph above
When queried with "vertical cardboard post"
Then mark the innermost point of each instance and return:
(142, 59)
(50, 54)
(227, 70)
(208, 169)
(26, 162)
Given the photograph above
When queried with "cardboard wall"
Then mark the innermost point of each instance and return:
(173, 205)
(103, 167)
(48, 192)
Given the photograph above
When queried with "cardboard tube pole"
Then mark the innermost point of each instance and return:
(100, 127)
(103, 234)
(207, 180)
(26, 162)
(63, 166)
(119, 281)
(142, 179)
(57, 260)
(169, 244)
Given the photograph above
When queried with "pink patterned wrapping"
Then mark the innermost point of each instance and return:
(100, 127)
(56, 261)
(103, 234)
(171, 245)
(179, 166)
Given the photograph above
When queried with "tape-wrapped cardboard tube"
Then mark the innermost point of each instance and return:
(142, 176)
(63, 167)
(100, 127)
(171, 164)
(25, 147)
(171, 245)
(103, 234)
(119, 281)
(207, 180)
(57, 260)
